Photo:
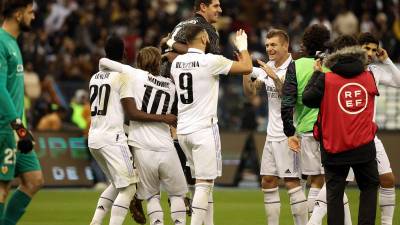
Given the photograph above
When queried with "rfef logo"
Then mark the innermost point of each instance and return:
(353, 98)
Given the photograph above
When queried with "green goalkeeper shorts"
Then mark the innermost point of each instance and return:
(12, 162)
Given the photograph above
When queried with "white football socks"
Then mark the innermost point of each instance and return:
(298, 204)
(121, 204)
(209, 219)
(200, 203)
(387, 202)
(320, 209)
(178, 210)
(312, 195)
(272, 205)
(104, 204)
(154, 210)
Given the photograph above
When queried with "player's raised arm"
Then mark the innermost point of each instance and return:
(244, 64)
(392, 76)
(170, 41)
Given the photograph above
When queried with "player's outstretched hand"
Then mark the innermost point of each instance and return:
(25, 139)
(170, 119)
(267, 69)
(294, 143)
(240, 41)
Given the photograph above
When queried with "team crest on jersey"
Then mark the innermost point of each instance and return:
(20, 68)
(4, 169)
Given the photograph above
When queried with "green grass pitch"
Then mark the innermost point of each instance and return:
(232, 207)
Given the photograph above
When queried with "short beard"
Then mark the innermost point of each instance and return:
(24, 27)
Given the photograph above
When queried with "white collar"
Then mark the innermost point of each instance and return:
(195, 50)
(285, 65)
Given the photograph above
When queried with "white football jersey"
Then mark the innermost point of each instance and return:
(156, 95)
(275, 124)
(385, 73)
(107, 115)
(196, 76)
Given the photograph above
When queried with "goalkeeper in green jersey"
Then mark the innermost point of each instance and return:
(16, 142)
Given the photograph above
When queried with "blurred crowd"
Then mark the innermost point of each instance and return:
(63, 50)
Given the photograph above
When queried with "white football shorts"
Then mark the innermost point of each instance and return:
(159, 168)
(203, 152)
(116, 161)
(310, 156)
(278, 160)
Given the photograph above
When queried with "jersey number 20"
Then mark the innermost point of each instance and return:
(102, 94)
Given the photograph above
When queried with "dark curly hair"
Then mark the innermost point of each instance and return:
(366, 38)
(344, 41)
(114, 48)
(8, 7)
(197, 4)
(315, 38)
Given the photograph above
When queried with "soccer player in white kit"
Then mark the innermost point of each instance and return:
(111, 99)
(386, 73)
(196, 76)
(278, 161)
(154, 152)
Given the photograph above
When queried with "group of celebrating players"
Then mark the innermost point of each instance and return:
(151, 123)
(192, 93)
(185, 82)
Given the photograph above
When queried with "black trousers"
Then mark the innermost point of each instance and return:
(368, 181)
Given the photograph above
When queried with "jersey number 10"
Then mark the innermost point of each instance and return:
(156, 100)
(103, 94)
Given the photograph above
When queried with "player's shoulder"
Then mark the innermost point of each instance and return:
(105, 76)
(192, 20)
(374, 66)
(211, 58)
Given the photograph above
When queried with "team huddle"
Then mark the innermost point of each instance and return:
(138, 112)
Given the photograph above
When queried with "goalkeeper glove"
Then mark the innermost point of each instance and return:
(25, 139)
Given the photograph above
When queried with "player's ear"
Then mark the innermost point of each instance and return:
(19, 15)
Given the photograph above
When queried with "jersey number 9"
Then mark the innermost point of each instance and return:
(186, 84)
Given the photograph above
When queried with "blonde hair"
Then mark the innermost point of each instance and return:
(149, 59)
